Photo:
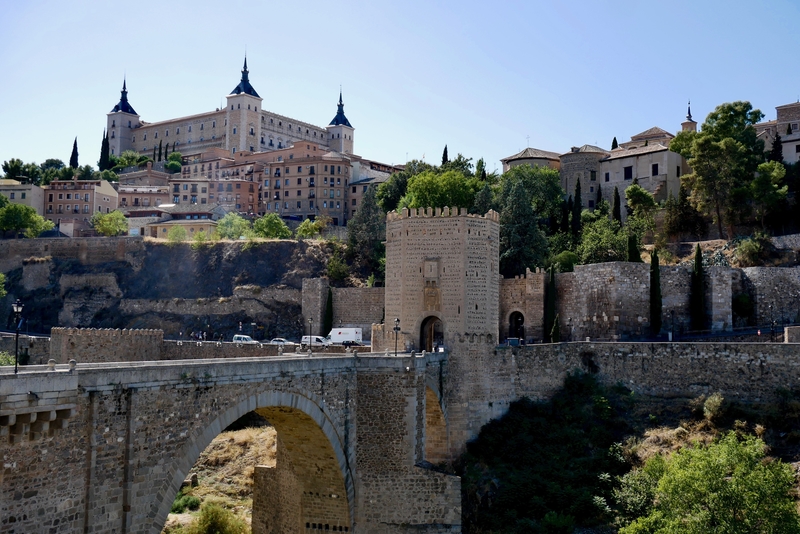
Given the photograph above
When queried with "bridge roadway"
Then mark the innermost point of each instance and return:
(104, 447)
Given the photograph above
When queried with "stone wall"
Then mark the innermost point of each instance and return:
(38, 348)
(87, 250)
(791, 334)
(277, 506)
(314, 300)
(775, 292)
(357, 307)
(105, 345)
(523, 294)
(791, 241)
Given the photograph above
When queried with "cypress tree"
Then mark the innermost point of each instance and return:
(616, 210)
(697, 296)
(549, 304)
(599, 196)
(655, 295)
(614, 144)
(564, 216)
(159, 150)
(327, 322)
(154, 152)
(103, 164)
(555, 334)
(445, 159)
(73, 159)
(634, 255)
(788, 129)
(166, 152)
(776, 153)
(577, 208)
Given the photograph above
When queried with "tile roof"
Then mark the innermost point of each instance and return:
(532, 153)
(655, 131)
(628, 152)
(587, 148)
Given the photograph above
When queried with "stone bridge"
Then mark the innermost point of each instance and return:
(104, 448)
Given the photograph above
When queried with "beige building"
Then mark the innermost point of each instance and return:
(243, 125)
(192, 217)
(78, 199)
(787, 125)
(533, 157)
(26, 194)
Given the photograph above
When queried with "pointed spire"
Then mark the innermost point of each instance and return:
(340, 119)
(689, 112)
(123, 105)
(244, 85)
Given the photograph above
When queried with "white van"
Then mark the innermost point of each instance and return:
(340, 336)
(317, 341)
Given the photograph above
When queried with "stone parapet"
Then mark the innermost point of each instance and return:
(105, 345)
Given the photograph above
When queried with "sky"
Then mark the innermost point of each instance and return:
(486, 79)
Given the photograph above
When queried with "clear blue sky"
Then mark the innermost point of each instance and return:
(416, 75)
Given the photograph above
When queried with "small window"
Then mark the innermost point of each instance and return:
(177, 131)
(190, 128)
(655, 169)
(298, 193)
(213, 124)
(299, 203)
(591, 189)
(797, 149)
(11, 196)
(300, 169)
(591, 204)
(592, 176)
(678, 171)
(353, 202)
(299, 181)
(234, 130)
(628, 172)
(155, 135)
(166, 133)
(608, 177)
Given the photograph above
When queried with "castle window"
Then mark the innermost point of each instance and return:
(628, 172)
(591, 189)
(134, 139)
(655, 169)
(166, 133)
(113, 124)
(231, 106)
(592, 175)
(252, 131)
(155, 135)
(178, 130)
(129, 124)
(256, 108)
(608, 177)
(238, 106)
(145, 138)
(190, 128)
(325, 204)
(248, 106)
(234, 130)
(202, 126)
(591, 204)
(113, 135)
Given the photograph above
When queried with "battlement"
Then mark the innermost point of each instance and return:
(408, 213)
(105, 344)
(480, 339)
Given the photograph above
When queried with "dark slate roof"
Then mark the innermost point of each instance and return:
(340, 119)
(123, 105)
(244, 85)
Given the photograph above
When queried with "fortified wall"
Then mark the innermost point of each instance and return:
(353, 307)
(105, 345)
(86, 250)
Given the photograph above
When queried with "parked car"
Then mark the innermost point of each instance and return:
(317, 341)
(351, 343)
(280, 341)
(247, 340)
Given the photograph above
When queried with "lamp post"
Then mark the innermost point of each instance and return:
(396, 332)
(17, 309)
(310, 336)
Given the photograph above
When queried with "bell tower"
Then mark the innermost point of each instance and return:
(242, 117)
(120, 124)
(340, 131)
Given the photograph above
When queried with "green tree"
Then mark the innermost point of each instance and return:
(12, 169)
(577, 208)
(565, 210)
(176, 234)
(233, 226)
(616, 210)
(655, 294)
(445, 159)
(697, 292)
(681, 217)
(307, 229)
(4, 202)
(602, 241)
(3, 292)
(765, 190)
(555, 333)
(392, 190)
(614, 144)
(159, 150)
(640, 201)
(599, 197)
(484, 200)
(522, 243)
(480, 170)
(73, 158)
(460, 164)
(366, 232)
(633, 254)
(437, 190)
(271, 226)
(110, 224)
(103, 162)
(542, 187)
(723, 156)
(17, 218)
(776, 152)
(327, 321)
(727, 487)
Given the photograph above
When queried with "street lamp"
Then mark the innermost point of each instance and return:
(310, 336)
(396, 332)
(17, 308)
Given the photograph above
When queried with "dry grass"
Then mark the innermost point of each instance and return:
(225, 472)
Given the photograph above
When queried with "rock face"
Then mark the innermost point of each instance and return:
(135, 284)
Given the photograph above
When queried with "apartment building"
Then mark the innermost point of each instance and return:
(78, 199)
(26, 194)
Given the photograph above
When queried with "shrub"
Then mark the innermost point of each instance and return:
(6, 358)
(214, 519)
(714, 406)
(182, 502)
(565, 261)
(337, 268)
(176, 234)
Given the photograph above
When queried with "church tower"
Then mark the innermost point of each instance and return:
(242, 123)
(120, 124)
(340, 132)
(689, 125)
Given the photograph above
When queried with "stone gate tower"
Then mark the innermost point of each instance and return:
(442, 277)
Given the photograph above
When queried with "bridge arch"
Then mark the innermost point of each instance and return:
(300, 417)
